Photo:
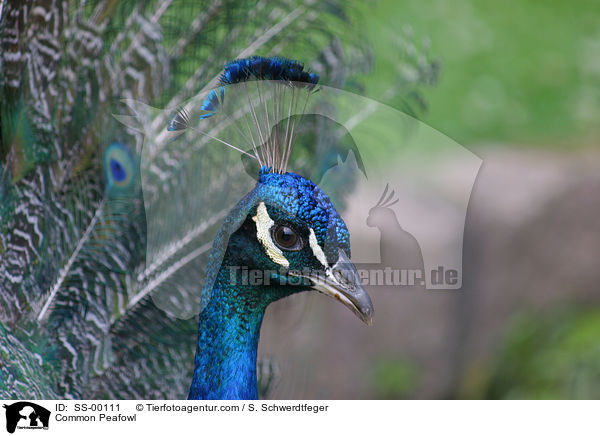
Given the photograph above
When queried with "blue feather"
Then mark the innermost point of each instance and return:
(267, 68)
(258, 68)
(212, 102)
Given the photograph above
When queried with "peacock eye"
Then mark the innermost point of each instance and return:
(286, 238)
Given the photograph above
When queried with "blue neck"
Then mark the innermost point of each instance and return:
(229, 330)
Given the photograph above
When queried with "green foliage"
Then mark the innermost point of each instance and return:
(554, 356)
(513, 71)
(395, 378)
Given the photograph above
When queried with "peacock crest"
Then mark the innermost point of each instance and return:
(272, 94)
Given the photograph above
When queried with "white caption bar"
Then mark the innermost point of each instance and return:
(23, 418)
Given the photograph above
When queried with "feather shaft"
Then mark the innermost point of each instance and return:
(67, 268)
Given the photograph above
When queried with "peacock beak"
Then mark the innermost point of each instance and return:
(342, 282)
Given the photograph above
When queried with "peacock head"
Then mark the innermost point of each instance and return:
(284, 236)
(291, 239)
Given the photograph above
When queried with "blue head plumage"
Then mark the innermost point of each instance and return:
(286, 230)
(300, 197)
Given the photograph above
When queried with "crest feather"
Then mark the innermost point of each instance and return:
(280, 89)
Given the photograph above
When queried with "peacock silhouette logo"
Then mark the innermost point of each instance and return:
(26, 415)
(399, 249)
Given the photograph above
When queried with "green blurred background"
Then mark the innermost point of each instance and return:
(520, 72)
(519, 85)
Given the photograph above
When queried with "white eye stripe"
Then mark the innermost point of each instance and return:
(316, 248)
(263, 233)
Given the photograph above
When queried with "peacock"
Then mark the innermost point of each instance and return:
(286, 229)
(128, 233)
